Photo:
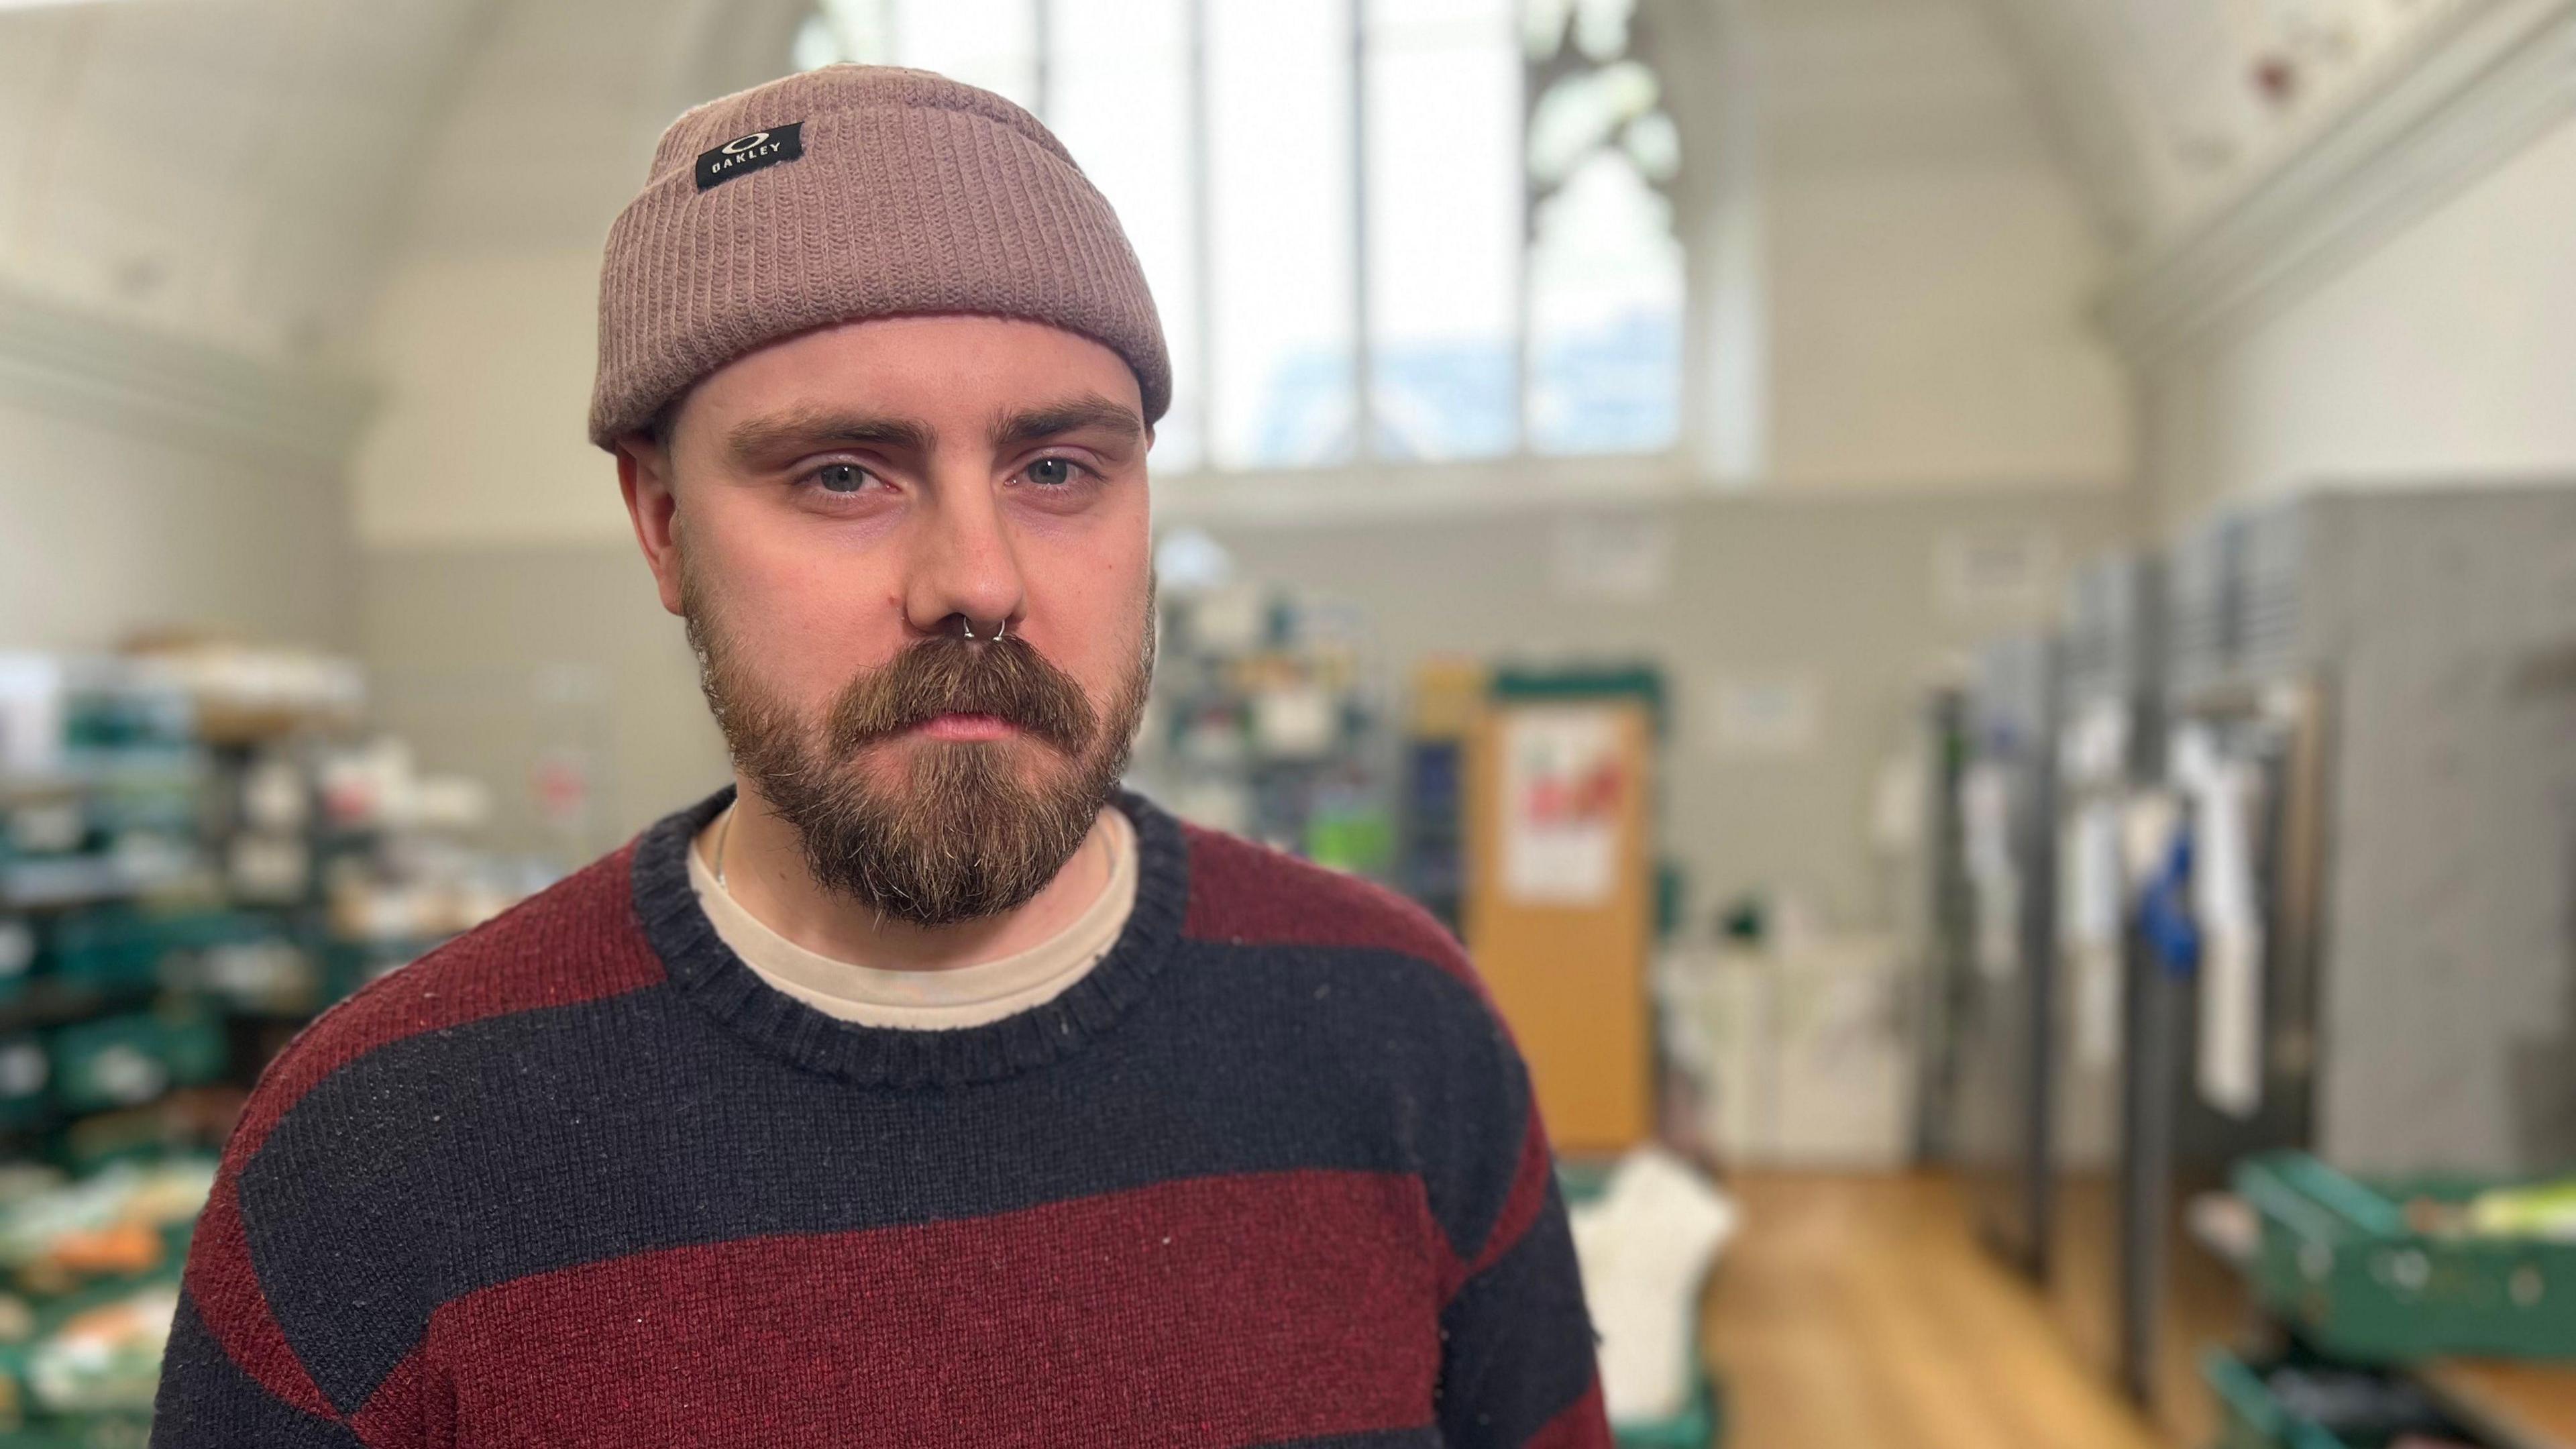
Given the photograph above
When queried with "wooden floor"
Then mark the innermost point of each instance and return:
(1858, 1313)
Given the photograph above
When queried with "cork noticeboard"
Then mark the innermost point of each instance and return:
(1560, 906)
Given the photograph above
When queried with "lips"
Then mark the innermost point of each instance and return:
(966, 727)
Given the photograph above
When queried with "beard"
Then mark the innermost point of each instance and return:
(968, 829)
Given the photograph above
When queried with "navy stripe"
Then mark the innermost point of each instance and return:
(1520, 1342)
(207, 1402)
(464, 1158)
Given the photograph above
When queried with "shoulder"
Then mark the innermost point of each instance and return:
(576, 941)
(1242, 893)
(1429, 1039)
(1245, 894)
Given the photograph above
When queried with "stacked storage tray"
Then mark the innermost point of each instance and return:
(2335, 1408)
(2340, 1262)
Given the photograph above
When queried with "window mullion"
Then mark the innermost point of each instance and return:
(1202, 234)
(1531, 87)
(1364, 409)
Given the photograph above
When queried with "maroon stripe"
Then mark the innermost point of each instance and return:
(1242, 1309)
(226, 1290)
(576, 941)
(415, 1405)
(1247, 894)
(1583, 1425)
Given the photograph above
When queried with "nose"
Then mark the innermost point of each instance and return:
(964, 576)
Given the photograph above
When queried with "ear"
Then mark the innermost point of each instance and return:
(644, 476)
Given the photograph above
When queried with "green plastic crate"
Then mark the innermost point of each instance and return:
(2255, 1412)
(2339, 1262)
(127, 946)
(25, 1072)
(122, 1061)
(2248, 1418)
(23, 1425)
(1702, 1423)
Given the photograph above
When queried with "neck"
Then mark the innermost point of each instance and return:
(764, 871)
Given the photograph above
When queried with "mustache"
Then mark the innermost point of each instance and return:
(1006, 678)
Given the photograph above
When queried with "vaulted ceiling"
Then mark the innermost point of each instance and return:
(241, 170)
(2170, 106)
(232, 170)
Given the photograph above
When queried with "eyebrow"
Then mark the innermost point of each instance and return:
(1091, 410)
(758, 438)
(804, 427)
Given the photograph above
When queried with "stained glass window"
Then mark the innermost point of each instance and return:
(1377, 230)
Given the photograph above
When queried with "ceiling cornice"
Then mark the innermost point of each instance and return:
(2475, 97)
(60, 359)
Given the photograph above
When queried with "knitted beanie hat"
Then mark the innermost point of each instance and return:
(846, 193)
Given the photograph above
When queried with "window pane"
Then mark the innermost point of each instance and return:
(843, 31)
(1118, 97)
(988, 43)
(1444, 221)
(1605, 314)
(1279, 94)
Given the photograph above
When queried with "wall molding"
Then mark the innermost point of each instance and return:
(1398, 494)
(2478, 95)
(67, 361)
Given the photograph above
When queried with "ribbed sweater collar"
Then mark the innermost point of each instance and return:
(713, 978)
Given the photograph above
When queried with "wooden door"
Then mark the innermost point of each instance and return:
(1560, 906)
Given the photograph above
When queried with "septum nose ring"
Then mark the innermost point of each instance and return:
(967, 627)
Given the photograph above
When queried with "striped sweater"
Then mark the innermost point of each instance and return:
(1269, 1174)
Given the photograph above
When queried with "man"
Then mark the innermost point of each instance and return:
(920, 1088)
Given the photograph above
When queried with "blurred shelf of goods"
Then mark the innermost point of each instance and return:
(1268, 722)
(201, 847)
(1441, 710)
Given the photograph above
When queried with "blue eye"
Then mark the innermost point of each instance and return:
(841, 477)
(1053, 472)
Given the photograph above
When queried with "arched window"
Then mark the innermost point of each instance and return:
(1376, 229)
(1605, 270)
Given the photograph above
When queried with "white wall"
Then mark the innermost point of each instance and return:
(2448, 354)
(486, 361)
(191, 214)
(147, 481)
(483, 329)
(1929, 263)
(1929, 331)
(110, 530)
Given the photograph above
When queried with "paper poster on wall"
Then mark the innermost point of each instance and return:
(1565, 783)
(1752, 715)
(1984, 575)
(1627, 557)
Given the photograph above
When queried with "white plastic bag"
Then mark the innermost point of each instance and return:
(1646, 1245)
